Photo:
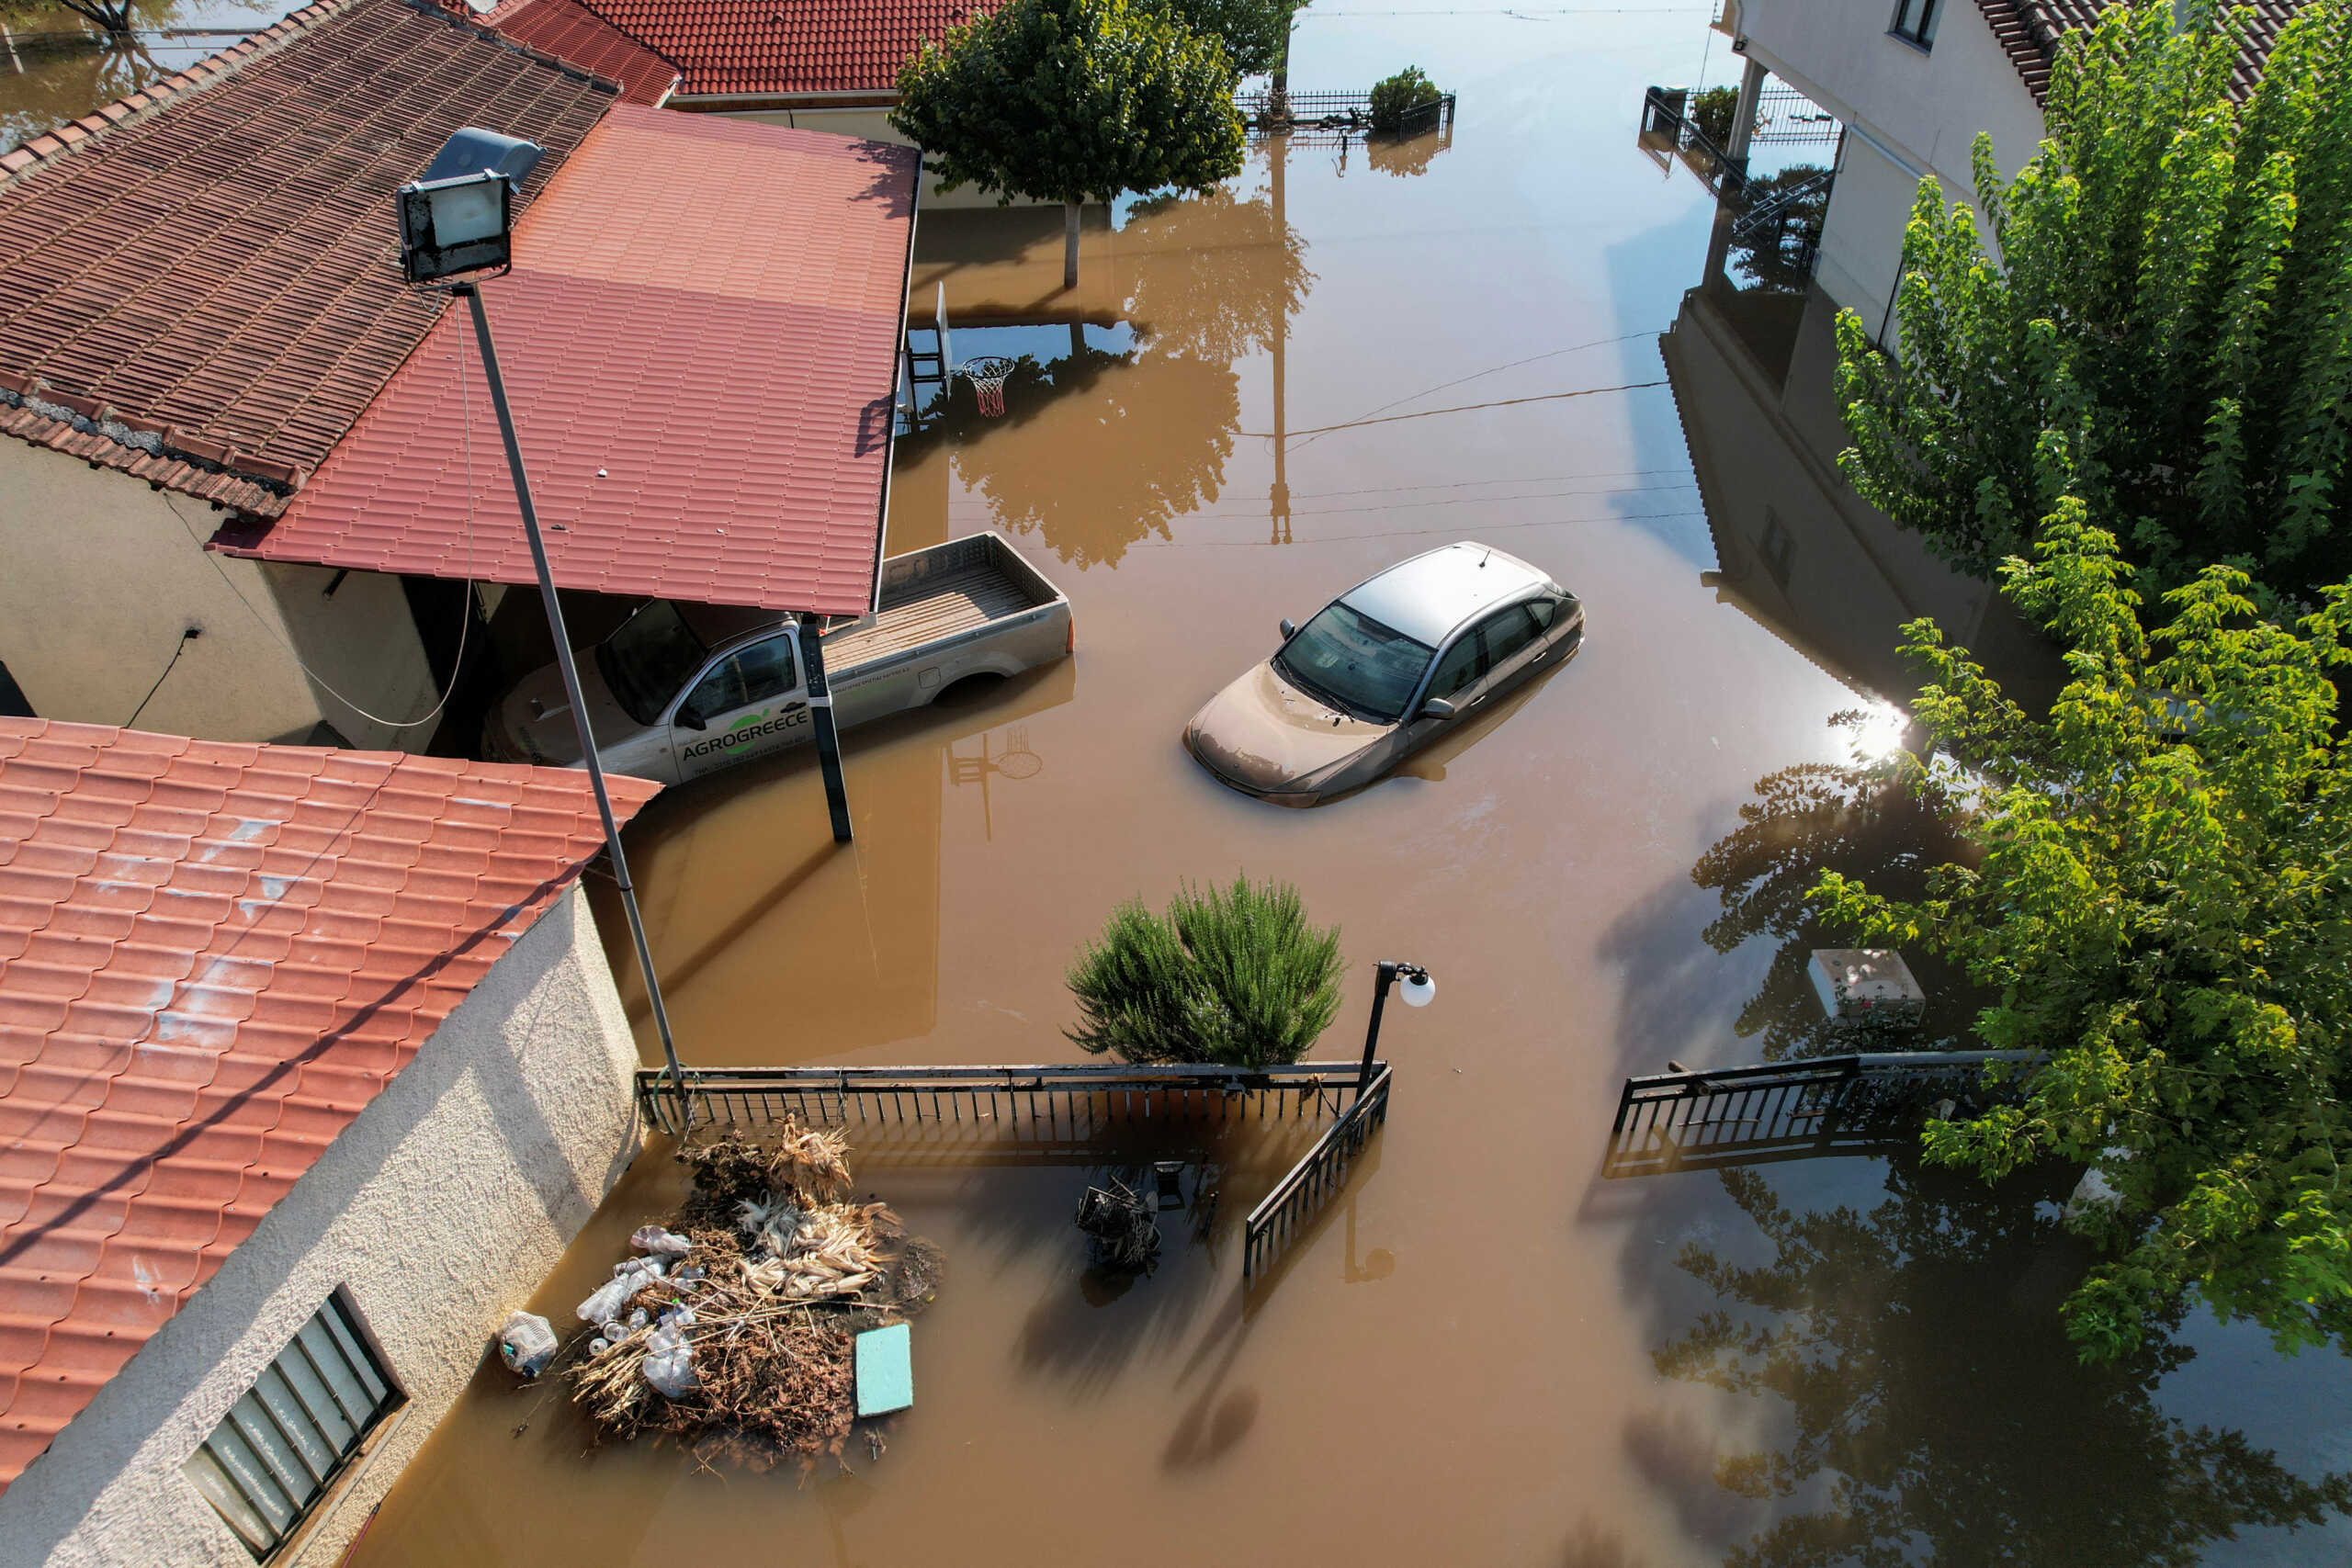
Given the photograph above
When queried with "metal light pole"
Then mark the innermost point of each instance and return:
(456, 226)
(571, 682)
(1419, 990)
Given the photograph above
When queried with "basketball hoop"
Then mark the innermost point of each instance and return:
(987, 375)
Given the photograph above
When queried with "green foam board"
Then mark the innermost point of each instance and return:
(886, 1369)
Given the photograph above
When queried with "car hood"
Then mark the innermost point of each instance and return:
(1265, 734)
(537, 718)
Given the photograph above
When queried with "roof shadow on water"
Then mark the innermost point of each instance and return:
(1881, 1343)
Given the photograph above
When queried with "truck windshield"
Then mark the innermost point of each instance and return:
(1353, 662)
(646, 662)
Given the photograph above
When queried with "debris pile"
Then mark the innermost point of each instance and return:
(741, 1327)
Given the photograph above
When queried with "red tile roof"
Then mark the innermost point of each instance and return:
(787, 46)
(706, 421)
(212, 957)
(2029, 32)
(203, 281)
(578, 36)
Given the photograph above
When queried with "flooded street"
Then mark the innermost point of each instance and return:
(1483, 1352)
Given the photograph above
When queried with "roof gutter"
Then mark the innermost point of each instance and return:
(890, 419)
(740, 103)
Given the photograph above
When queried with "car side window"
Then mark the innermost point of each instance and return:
(1508, 633)
(767, 669)
(1459, 667)
(758, 672)
(1544, 610)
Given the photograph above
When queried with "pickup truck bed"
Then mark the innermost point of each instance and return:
(937, 605)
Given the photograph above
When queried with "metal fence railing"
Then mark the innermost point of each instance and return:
(1072, 1101)
(1278, 1220)
(1701, 1120)
(1786, 116)
(1333, 113)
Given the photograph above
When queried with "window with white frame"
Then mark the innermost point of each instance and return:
(1915, 21)
(281, 1447)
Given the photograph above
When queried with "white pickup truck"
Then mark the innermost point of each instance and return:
(683, 690)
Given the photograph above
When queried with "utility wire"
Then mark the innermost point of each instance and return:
(1462, 408)
(186, 637)
(465, 626)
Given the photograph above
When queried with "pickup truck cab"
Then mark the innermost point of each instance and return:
(683, 690)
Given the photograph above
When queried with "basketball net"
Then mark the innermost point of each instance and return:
(987, 376)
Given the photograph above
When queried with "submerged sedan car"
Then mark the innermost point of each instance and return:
(1385, 670)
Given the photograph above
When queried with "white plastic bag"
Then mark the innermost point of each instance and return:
(627, 1279)
(526, 1344)
(660, 1243)
(669, 1358)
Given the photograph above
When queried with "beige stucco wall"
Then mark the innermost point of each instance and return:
(103, 572)
(874, 125)
(1911, 113)
(437, 1211)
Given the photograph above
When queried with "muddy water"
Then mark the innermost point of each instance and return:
(1483, 1353)
(54, 67)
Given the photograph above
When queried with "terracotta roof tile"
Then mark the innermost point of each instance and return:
(2029, 32)
(207, 293)
(707, 423)
(573, 33)
(787, 46)
(168, 1081)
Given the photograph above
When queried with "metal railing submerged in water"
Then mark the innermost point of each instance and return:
(1060, 1105)
(1701, 1120)
(1051, 1101)
(1285, 1211)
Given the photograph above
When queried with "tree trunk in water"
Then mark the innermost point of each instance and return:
(1070, 247)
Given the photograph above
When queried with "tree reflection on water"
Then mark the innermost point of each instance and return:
(1858, 818)
(1940, 1414)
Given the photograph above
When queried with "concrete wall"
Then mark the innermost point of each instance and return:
(104, 573)
(438, 1209)
(1910, 113)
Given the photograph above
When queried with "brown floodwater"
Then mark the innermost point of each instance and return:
(1482, 1352)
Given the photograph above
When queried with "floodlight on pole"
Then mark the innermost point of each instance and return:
(456, 230)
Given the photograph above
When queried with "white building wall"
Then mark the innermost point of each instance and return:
(871, 124)
(105, 572)
(1910, 113)
(436, 1211)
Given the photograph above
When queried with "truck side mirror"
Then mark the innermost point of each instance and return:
(1289, 631)
(1437, 707)
(690, 719)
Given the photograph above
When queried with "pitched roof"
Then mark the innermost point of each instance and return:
(212, 957)
(706, 422)
(787, 46)
(204, 287)
(577, 35)
(2030, 30)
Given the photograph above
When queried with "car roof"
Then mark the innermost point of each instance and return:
(1428, 596)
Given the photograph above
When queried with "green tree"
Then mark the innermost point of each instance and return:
(1933, 1411)
(2167, 334)
(1256, 33)
(2159, 894)
(1233, 976)
(1073, 101)
(1398, 99)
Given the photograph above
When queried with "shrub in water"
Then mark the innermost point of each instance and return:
(1395, 100)
(1233, 976)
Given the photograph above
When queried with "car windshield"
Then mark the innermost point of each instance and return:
(1353, 662)
(646, 662)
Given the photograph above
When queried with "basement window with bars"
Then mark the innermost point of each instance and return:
(279, 1450)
